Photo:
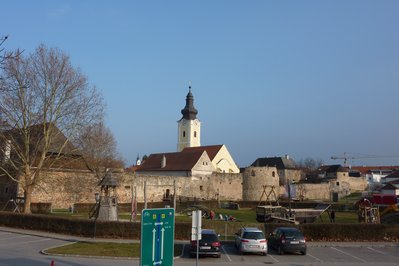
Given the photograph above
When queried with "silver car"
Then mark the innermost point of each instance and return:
(251, 240)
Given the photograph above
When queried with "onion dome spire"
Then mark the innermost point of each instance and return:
(189, 112)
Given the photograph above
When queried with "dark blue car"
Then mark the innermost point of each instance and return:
(287, 239)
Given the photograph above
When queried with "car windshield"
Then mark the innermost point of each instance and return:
(209, 238)
(292, 233)
(253, 235)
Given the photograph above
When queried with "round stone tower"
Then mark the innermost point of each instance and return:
(254, 178)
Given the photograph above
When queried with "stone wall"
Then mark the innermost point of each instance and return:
(63, 189)
(306, 191)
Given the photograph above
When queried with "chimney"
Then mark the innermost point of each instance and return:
(163, 161)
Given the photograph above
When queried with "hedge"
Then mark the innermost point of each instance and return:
(132, 230)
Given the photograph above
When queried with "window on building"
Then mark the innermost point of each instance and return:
(195, 134)
(273, 174)
(184, 134)
(252, 173)
(201, 188)
(337, 183)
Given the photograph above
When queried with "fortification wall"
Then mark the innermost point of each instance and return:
(312, 191)
(63, 189)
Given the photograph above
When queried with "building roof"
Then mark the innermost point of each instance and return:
(334, 168)
(390, 186)
(393, 175)
(37, 139)
(109, 180)
(278, 162)
(175, 161)
(368, 169)
(211, 150)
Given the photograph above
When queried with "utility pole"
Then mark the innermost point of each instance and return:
(174, 195)
(145, 194)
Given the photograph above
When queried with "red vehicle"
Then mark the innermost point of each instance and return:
(385, 199)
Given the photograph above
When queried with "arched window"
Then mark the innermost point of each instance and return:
(184, 134)
(195, 134)
(273, 174)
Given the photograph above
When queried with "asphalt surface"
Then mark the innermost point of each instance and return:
(23, 247)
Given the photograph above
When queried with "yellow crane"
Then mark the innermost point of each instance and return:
(347, 157)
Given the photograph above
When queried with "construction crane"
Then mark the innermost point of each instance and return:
(346, 157)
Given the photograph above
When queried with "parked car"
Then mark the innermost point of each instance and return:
(251, 240)
(209, 245)
(287, 239)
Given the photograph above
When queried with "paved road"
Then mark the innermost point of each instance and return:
(21, 248)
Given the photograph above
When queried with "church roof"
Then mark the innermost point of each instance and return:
(211, 150)
(174, 161)
(189, 112)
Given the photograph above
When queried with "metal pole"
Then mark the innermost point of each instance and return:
(145, 194)
(289, 195)
(174, 195)
(197, 231)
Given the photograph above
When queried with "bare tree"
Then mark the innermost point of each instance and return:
(46, 104)
(98, 146)
(4, 55)
(311, 167)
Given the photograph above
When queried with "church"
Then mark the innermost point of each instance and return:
(190, 159)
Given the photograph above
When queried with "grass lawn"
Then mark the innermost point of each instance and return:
(340, 217)
(104, 249)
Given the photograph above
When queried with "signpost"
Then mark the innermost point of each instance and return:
(157, 237)
(196, 230)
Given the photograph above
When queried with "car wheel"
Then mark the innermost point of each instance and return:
(280, 251)
(218, 255)
(303, 252)
(264, 253)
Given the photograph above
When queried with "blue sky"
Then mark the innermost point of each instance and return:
(269, 78)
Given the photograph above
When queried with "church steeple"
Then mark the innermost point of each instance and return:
(189, 112)
(189, 127)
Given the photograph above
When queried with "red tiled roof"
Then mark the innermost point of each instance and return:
(176, 161)
(211, 150)
(367, 169)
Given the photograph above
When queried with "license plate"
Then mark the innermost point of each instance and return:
(253, 246)
(294, 242)
(205, 247)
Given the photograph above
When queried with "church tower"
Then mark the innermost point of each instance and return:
(189, 127)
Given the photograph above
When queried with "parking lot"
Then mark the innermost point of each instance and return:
(338, 254)
(20, 249)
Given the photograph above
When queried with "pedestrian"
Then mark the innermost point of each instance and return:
(211, 215)
(332, 216)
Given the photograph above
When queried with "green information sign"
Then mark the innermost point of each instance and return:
(157, 237)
